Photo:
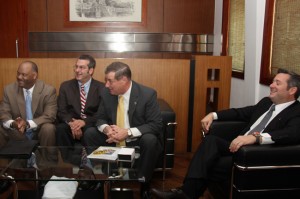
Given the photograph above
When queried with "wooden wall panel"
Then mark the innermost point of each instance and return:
(37, 16)
(169, 77)
(189, 16)
(203, 82)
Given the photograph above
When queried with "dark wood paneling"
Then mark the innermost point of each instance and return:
(13, 26)
(37, 15)
(189, 16)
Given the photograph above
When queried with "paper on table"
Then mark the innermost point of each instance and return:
(56, 189)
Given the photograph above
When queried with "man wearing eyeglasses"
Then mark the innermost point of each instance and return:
(78, 101)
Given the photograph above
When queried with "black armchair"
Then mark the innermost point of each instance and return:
(260, 171)
(166, 160)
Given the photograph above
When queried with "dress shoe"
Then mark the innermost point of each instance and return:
(145, 190)
(172, 194)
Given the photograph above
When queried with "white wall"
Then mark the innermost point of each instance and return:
(248, 91)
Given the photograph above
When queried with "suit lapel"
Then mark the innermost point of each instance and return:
(21, 101)
(90, 93)
(114, 105)
(38, 88)
(283, 114)
(75, 91)
(133, 101)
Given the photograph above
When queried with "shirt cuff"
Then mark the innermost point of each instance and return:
(266, 138)
(102, 127)
(135, 132)
(7, 124)
(215, 115)
(32, 124)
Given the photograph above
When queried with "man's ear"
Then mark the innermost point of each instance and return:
(91, 71)
(293, 90)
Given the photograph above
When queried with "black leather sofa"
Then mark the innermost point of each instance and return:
(259, 171)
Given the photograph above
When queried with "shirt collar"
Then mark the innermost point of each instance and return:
(280, 107)
(126, 95)
(30, 90)
(87, 84)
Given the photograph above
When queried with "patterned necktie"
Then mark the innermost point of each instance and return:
(29, 132)
(82, 101)
(121, 117)
(261, 126)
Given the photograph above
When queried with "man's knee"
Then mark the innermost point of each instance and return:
(149, 141)
(92, 137)
(46, 134)
(90, 132)
(48, 128)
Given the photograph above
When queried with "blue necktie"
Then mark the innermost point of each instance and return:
(29, 133)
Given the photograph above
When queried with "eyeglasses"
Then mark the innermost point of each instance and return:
(80, 67)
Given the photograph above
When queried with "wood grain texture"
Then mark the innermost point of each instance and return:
(203, 83)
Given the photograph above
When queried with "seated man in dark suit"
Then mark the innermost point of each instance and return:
(129, 115)
(273, 120)
(78, 102)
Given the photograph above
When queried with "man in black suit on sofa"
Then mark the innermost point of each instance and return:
(78, 102)
(281, 128)
(142, 118)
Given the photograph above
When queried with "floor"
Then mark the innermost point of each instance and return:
(173, 177)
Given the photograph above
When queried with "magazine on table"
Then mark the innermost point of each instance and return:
(112, 153)
(105, 153)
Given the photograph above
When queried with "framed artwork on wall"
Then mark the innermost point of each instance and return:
(105, 13)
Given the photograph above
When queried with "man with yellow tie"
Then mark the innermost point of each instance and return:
(128, 114)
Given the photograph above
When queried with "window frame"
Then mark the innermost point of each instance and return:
(265, 68)
(225, 33)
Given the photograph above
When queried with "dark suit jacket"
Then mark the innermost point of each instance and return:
(69, 101)
(144, 112)
(284, 128)
(44, 105)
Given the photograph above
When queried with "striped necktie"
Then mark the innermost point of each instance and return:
(121, 117)
(82, 101)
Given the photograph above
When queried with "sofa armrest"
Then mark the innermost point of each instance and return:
(267, 156)
(168, 116)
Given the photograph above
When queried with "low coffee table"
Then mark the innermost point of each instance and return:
(87, 178)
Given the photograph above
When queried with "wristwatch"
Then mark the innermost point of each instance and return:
(129, 133)
(258, 137)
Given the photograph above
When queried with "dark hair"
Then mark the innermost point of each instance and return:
(34, 67)
(92, 61)
(293, 81)
(120, 69)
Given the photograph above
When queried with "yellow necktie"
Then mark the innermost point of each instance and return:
(121, 117)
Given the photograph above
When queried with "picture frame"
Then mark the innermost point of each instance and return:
(105, 13)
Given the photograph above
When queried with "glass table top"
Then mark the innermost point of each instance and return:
(66, 164)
